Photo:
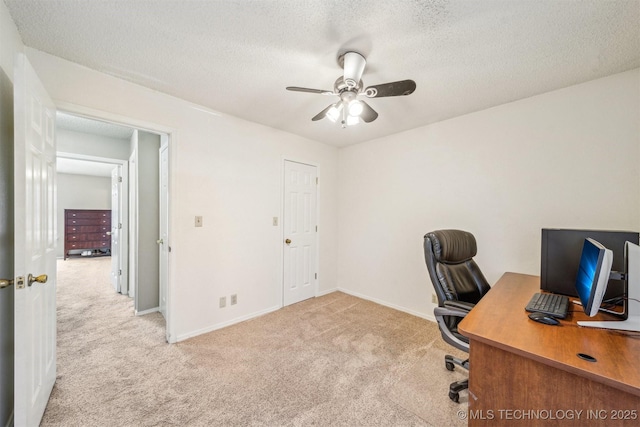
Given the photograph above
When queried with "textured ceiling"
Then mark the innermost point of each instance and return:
(237, 56)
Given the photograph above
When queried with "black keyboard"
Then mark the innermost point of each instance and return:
(552, 304)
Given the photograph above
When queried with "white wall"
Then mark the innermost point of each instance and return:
(225, 169)
(88, 144)
(80, 192)
(567, 159)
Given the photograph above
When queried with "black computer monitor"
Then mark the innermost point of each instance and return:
(593, 275)
(560, 257)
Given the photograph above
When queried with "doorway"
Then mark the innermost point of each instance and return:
(138, 210)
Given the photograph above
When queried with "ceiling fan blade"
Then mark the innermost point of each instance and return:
(306, 89)
(368, 114)
(353, 68)
(402, 87)
(321, 114)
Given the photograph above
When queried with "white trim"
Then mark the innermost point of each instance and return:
(221, 325)
(149, 311)
(386, 304)
(76, 156)
(327, 292)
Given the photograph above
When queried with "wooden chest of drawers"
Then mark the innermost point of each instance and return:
(87, 231)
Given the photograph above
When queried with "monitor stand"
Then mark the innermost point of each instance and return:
(633, 293)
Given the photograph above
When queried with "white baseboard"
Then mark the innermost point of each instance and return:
(327, 292)
(151, 310)
(387, 304)
(221, 325)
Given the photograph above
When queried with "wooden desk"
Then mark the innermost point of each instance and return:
(526, 373)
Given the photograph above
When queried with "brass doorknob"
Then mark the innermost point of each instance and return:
(5, 282)
(31, 279)
(288, 241)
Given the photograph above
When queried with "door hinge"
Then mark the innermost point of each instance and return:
(316, 276)
(317, 180)
(120, 272)
(119, 225)
(316, 228)
(119, 179)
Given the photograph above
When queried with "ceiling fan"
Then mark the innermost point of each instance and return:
(349, 109)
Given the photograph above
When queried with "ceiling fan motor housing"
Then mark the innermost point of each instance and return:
(353, 68)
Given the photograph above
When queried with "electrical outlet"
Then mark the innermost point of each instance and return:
(234, 299)
(223, 302)
(198, 221)
(434, 298)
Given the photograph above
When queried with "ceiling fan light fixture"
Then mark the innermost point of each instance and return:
(353, 68)
(355, 108)
(334, 112)
(353, 120)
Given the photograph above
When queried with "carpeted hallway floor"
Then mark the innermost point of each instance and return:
(335, 360)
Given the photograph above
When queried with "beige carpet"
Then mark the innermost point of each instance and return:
(335, 360)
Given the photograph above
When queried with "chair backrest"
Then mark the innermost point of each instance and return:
(454, 274)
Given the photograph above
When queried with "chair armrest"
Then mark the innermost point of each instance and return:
(455, 309)
(467, 306)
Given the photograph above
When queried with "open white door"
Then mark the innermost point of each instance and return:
(35, 242)
(116, 278)
(164, 225)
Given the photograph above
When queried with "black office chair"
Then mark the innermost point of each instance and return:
(459, 285)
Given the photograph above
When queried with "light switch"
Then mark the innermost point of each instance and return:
(198, 221)
(275, 221)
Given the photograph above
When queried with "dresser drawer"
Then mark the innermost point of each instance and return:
(98, 237)
(88, 221)
(88, 245)
(87, 229)
(88, 214)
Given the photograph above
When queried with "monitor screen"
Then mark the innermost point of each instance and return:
(593, 275)
(561, 249)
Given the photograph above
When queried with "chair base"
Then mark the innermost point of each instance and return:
(456, 387)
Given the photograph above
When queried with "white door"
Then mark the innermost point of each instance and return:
(35, 244)
(300, 232)
(132, 275)
(116, 278)
(163, 241)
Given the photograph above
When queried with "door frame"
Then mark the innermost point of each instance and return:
(171, 134)
(281, 233)
(122, 165)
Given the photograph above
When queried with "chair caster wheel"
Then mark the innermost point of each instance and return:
(454, 396)
(450, 366)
